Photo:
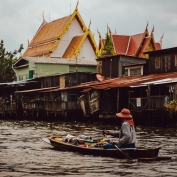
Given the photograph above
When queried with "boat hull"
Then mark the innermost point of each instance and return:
(134, 153)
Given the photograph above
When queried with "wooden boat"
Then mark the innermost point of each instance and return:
(88, 147)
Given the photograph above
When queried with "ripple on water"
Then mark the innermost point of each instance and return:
(23, 153)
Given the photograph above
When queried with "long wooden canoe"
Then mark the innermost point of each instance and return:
(84, 148)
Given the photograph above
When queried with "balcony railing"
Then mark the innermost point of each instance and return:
(146, 103)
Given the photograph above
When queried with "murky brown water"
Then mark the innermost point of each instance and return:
(24, 154)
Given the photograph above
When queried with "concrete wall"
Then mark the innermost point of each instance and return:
(72, 68)
(48, 69)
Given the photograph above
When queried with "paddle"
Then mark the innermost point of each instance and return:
(125, 155)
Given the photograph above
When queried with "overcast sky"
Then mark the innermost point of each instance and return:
(20, 19)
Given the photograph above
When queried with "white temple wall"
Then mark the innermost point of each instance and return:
(74, 30)
(87, 51)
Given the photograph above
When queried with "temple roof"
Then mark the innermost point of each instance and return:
(134, 45)
(120, 43)
(39, 50)
(145, 45)
(46, 37)
(135, 41)
(50, 31)
(70, 51)
(49, 34)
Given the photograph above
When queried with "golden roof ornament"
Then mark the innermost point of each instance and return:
(99, 33)
(76, 9)
(89, 24)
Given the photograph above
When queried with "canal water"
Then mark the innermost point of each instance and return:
(24, 154)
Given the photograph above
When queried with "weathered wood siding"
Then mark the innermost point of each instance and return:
(166, 61)
(113, 66)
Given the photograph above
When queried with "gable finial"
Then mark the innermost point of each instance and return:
(161, 39)
(99, 33)
(109, 30)
(115, 31)
(89, 24)
(77, 5)
(147, 25)
(152, 29)
(43, 17)
(28, 42)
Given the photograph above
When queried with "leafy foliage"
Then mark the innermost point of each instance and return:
(108, 46)
(171, 106)
(7, 59)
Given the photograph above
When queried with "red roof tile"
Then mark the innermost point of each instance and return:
(120, 43)
(158, 46)
(49, 31)
(134, 44)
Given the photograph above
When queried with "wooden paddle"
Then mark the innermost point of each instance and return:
(125, 155)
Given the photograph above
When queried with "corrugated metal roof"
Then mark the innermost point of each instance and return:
(17, 82)
(131, 81)
(60, 61)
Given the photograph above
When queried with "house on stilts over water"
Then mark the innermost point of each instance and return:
(62, 53)
(131, 76)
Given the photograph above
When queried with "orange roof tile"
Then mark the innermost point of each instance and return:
(120, 43)
(46, 36)
(39, 50)
(70, 51)
(134, 44)
(50, 31)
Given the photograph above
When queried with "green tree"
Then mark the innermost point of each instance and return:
(108, 46)
(7, 59)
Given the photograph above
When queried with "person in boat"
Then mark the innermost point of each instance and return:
(127, 133)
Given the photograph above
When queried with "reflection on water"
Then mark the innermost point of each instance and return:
(24, 154)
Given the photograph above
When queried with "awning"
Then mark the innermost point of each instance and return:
(35, 90)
